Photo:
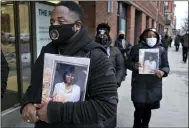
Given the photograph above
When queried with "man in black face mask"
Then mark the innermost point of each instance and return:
(70, 38)
(124, 46)
(115, 56)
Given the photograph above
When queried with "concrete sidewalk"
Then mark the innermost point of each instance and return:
(174, 105)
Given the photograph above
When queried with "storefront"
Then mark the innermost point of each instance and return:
(24, 30)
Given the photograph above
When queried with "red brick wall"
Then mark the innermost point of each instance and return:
(90, 16)
(131, 24)
(161, 19)
(143, 22)
(138, 24)
(150, 9)
(147, 6)
(150, 23)
(102, 15)
(97, 12)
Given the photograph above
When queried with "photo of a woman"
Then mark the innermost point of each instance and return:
(149, 65)
(66, 90)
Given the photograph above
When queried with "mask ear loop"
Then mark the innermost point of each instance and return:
(78, 21)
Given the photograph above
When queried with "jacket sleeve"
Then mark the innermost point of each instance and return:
(4, 74)
(33, 93)
(120, 67)
(165, 63)
(102, 93)
(131, 59)
(116, 43)
(128, 49)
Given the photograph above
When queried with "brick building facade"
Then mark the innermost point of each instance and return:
(170, 19)
(131, 16)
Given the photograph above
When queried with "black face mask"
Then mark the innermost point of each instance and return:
(60, 34)
(103, 41)
(121, 36)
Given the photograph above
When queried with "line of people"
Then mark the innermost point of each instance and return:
(109, 64)
(146, 89)
(107, 71)
(183, 40)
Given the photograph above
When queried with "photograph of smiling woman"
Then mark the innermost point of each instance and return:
(66, 90)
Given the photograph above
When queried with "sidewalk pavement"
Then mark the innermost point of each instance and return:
(174, 105)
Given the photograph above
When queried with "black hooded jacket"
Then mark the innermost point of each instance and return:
(126, 51)
(100, 107)
(147, 88)
(117, 60)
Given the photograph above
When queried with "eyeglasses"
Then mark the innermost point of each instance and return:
(102, 31)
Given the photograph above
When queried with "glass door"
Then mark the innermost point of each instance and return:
(25, 43)
(8, 46)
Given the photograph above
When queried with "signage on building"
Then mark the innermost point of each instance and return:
(43, 15)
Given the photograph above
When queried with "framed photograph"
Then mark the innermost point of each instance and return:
(149, 60)
(64, 78)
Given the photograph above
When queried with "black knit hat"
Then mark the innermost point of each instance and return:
(105, 26)
(73, 6)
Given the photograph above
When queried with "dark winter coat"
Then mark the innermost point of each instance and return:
(125, 51)
(100, 106)
(118, 62)
(177, 41)
(165, 42)
(147, 88)
(185, 40)
(4, 74)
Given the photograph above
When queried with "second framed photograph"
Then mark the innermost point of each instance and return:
(149, 60)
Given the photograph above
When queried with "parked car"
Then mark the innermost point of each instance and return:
(10, 38)
(24, 37)
(5, 37)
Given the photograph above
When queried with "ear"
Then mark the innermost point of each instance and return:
(78, 26)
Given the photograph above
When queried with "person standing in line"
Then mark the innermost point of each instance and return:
(70, 38)
(185, 47)
(124, 46)
(165, 42)
(177, 42)
(147, 88)
(170, 41)
(115, 56)
(4, 74)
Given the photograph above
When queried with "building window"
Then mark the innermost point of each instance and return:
(8, 46)
(166, 5)
(123, 25)
(122, 14)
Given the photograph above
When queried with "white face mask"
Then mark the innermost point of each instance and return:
(151, 41)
